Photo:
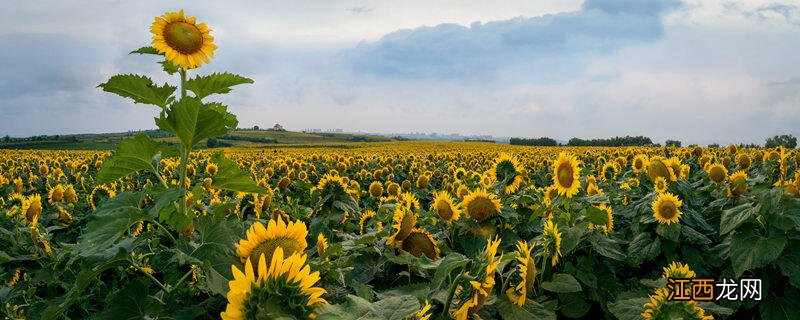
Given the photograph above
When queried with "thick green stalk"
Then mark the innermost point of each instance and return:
(184, 154)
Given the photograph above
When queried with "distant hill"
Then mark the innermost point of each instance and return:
(238, 138)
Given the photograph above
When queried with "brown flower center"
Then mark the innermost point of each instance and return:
(481, 208)
(667, 210)
(183, 37)
(418, 244)
(267, 248)
(565, 175)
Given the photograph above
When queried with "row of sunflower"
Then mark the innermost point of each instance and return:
(398, 230)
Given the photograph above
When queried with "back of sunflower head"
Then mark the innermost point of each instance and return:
(182, 46)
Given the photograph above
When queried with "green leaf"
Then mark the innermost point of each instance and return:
(749, 250)
(108, 225)
(606, 247)
(167, 212)
(573, 305)
(139, 88)
(733, 217)
(671, 231)
(215, 83)
(131, 303)
(781, 308)
(230, 177)
(643, 248)
(146, 50)
(356, 308)
(449, 263)
(215, 245)
(530, 310)
(694, 236)
(562, 283)
(596, 216)
(192, 121)
(629, 309)
(82, 280)
(132, 155)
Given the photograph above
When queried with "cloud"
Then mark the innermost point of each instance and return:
(548, 48)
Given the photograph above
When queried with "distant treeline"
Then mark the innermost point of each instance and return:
(609, 142)
(249, 139)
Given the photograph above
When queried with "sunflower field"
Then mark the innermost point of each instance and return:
(395, 230)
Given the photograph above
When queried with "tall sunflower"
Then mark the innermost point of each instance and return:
(666, 208)
(507, 170)
(32, 209)
(738, 184)
(420, 242)
(443, 205)
(183, 41)
(526, 270)
(290, 237)
(660, 307)
(480, 205)
(282, 289)
(551, 240)
(481, 290)
(566, 174)
(404, 221)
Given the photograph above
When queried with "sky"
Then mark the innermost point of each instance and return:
(699, 71)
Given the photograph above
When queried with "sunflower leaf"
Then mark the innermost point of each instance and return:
(146, 50)
(139, 88)
(230, 177)
(132, 155)
(192, 121)
(215, 83)
(562, 283)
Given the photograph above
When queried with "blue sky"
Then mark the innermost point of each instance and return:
(698, 71)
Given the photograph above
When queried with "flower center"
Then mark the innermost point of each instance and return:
(443, 208)
(667, 210)
(481, 209)
(267, 248)
(565, 175)
(418, 244)
(183, 37)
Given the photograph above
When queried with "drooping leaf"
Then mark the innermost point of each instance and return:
(132, 155)
(230, 177)
(192, 121)
(530, 310)
(629, 309)
(82, 280)
(131, 303)
(356, 308)
(101, 235)
(139, 88)
(562, 283)
(215, 83)
(643, 248)
(146, 50)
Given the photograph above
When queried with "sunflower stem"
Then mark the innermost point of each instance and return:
(158, 225)
(452, 291)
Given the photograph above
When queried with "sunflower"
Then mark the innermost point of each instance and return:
(717, 172)
(375, 189)
(420, 242)
(678, 270)
(566, 174)
(657, 167)
(183, 42)
(743, 161)
(550, 193)
(364, 216)
(404, 221)
(660, 184)
(659, 307)
(666, 208)
(526, 270)
(605, 174)
(322, 244)
(290, 237)
(443, 205)
(507, 170)
(424, 313)
(738, 184)
(593, 189)
(609, 226)
(56, 194)
(481, 290)
(282, 289)
(32, 209)
(480, 205)
(551, 240)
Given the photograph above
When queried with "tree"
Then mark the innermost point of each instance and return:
(673, 143)
(256, 128)
(785, 140)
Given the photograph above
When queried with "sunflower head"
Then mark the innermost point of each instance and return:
(551, 240)
(443, 205)
(659, 307)
(593, 189)
(507, 170)
(550, 193)
(743, 161)
(480, 205)
(678, 270)
(666, 208)
(284, 288)
(609, 226)
(375, 189)
(660, 184)
(526, 271)
(322, 244)
(32, 208)
(420, 242)
(717, 172)
(289, 237)
(738, 183)
(183, 41)
(657, 167)
(566, 174)
(404, 221)
(639, 163)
